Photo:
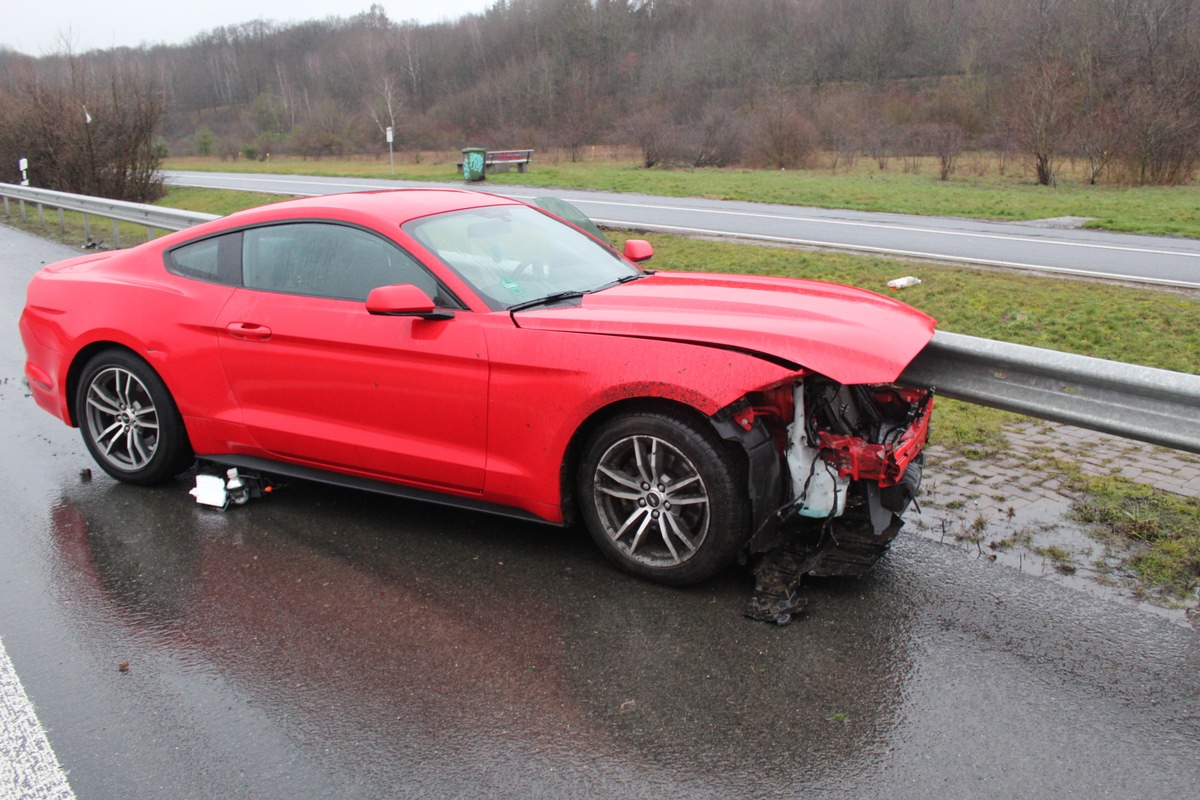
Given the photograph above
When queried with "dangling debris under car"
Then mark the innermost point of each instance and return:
(854, 455)
(230, 487)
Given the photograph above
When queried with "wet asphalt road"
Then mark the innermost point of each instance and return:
(1044, 246)
(323, 643)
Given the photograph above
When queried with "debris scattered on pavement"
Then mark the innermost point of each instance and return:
(231, 488)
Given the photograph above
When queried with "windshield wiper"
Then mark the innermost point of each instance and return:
(549, 299)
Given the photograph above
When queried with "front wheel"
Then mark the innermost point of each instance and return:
(663, 497)
(128, 420)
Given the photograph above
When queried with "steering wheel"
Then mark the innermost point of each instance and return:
(528, 264)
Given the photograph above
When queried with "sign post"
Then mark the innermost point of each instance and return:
(391, 153)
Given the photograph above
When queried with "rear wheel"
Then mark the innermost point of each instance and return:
(128, 420)
(663, 497)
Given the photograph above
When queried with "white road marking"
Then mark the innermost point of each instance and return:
(823, 243)
(896, 227)
(1124, 248)
(892, 251)
(29, 769)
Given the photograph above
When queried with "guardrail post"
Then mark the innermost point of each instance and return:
(6, 206)
(62, 222)
(41, 214)
(87, 229)
(23, 217)
(116, 236)
(149, 234)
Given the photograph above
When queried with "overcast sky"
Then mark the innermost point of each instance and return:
(36, 29)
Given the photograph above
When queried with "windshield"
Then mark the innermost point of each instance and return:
(514, 255)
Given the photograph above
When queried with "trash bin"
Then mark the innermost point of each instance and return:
(473, 163)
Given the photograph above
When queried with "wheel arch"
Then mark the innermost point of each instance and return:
(601, 416)
(81, 359)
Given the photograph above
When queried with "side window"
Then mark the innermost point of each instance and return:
(323, 260)
(214, 260)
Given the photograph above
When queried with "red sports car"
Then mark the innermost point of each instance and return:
(470, 349)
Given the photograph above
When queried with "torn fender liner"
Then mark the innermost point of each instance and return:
(865, 443)
(847, 546)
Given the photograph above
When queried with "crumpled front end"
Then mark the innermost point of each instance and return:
(851, 460)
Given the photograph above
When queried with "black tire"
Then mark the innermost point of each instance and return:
(129, 422)
(663, 497)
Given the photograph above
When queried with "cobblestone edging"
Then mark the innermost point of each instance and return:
(1007, 507)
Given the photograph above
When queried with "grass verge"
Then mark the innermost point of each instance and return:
(1163, 529)
(981, 189)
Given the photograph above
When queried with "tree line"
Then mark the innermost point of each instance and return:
(770, 83)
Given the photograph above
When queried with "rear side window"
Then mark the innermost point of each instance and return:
(215, 260)
(323, 260)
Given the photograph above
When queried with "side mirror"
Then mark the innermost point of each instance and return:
(638, 250)
(403, 300)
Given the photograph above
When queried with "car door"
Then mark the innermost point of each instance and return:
(321, 381)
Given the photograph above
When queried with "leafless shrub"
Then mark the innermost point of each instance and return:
(945, 140)
(1161, 134)
(655, 137)
(85, 130)
(780, 136)
(716, 138)
(1042, 109)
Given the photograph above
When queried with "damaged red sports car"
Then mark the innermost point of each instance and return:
(469, 349)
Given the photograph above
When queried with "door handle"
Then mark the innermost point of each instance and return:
(249, 331)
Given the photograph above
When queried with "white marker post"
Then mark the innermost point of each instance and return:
(23, 165)
(391, 154)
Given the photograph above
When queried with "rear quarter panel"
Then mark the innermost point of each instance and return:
(130, 300)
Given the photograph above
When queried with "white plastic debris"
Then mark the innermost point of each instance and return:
(903, 283)
(210, 491)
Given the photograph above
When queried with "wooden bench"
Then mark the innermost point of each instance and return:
(502, 160)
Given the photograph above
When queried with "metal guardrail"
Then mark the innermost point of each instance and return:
(1150, 405)
(153, 217)
(1142, 403)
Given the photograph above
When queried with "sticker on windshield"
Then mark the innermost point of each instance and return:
(512, 286)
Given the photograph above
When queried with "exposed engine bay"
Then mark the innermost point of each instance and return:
(852, 464)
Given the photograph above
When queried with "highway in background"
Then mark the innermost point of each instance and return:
(1042, 246)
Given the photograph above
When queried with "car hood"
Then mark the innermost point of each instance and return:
(847, 334)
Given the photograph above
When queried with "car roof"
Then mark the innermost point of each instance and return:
(395, 205)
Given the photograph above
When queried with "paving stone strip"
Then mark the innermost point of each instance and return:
(1007, 508)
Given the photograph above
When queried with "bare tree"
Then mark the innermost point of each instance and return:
(86, 129)
(1041, 110)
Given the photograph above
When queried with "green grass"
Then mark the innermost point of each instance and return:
(214, 201)
(1164, 527)
(71, 232)
(1153, 327)
(979, 189)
